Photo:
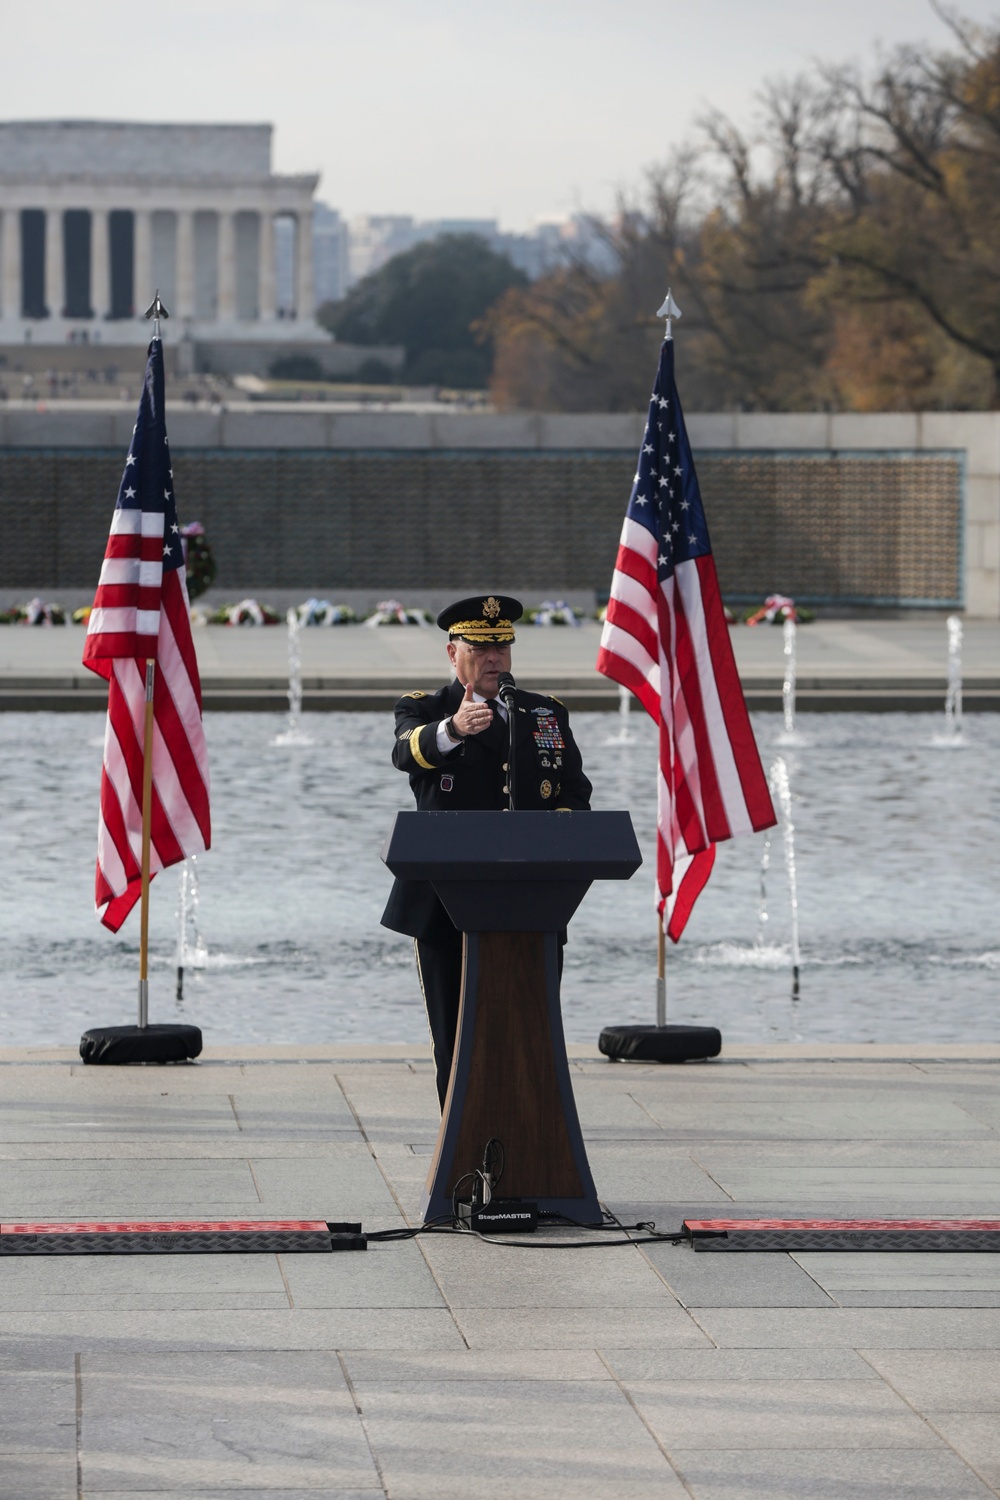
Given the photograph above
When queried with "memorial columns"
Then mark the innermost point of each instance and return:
(10, 282)
(304, 280)
(266, 300)
(55, 278)
(142, 261)
(185, 263)
(100, 264)
(227, 267)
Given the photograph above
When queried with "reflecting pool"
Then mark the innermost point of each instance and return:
(897, 844)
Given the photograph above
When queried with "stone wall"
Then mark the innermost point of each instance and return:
(845, 528)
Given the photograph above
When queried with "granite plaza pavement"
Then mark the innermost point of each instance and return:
(448, 1367)
(445, 1366)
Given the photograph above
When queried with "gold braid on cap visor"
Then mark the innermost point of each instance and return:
(500, 631)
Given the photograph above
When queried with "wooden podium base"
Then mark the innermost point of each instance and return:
(510, 1081)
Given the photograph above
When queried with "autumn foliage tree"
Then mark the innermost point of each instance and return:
(845, 254)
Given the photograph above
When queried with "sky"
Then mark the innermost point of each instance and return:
(519, 110)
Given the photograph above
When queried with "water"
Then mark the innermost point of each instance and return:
(898, 868)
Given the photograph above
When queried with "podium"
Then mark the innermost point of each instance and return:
(510, 882)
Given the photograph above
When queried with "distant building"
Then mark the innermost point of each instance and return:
(96, 215)
(330, 247)
(370, 240)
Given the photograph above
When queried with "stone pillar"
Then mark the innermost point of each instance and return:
(304, 294)
(142, 262)
(100, 264)
(185, 263)
(10, 281)
(268, 289)
(227, 268)
(55, 276)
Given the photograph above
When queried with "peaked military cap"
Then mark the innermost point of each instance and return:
(485, 617)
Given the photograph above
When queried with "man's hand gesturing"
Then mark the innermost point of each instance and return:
(471, 717)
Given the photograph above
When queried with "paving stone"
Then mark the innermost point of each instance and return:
(273, 1420)
(857, 1328)
(760, 1280)
(918, 1299)
(975, 1436)
(143, 1189)
(941, 1379)
(709, 1364)
(651, 1166)
(574, 1327)
(519, 1275)
(293, 1328)
(38, 1119)
(481, 1364)
(921, 1474)
(38, 1476)
(347, 1186)
(312, 1493)
(578, 1439)
(889, 1185)
(907, 1280)
(774, 1414)
(846, 1116)
(38, 1412)
(293, 1112)
(33, 1279)
(389, 1276)
(323, 1492)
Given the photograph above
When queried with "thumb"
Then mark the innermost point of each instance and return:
(468, 694)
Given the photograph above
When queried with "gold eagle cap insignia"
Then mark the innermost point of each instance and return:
(491, 607)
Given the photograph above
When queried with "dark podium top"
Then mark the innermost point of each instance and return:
(512, 872)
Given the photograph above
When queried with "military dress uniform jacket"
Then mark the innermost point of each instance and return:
(548, 768)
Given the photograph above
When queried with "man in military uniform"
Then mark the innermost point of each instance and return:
(454, 746)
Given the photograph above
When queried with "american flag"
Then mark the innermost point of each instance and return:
(141, 611)
(666, 639)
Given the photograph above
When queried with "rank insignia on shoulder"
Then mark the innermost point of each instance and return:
(557, 700)
(546, 789)
(416, 694)
(447, 782)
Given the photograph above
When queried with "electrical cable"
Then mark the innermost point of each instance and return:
(446, 1224)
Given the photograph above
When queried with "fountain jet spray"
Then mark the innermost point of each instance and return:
(788, 685)
(780, 788)
(953, 698)
(624, 735)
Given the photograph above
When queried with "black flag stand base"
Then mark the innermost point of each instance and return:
(663, 1044)
(140, 1044)
(660, 1043)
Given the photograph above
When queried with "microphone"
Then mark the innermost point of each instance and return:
(505, 689)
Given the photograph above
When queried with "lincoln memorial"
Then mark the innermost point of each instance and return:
(95, 216)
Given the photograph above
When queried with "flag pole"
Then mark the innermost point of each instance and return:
(669, 310)
(147, 818)
(661, 973)
(154, 311)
